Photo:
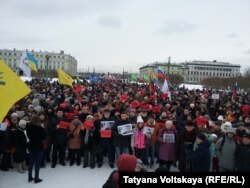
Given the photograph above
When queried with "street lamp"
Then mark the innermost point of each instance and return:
(47, 57)
(168, 65)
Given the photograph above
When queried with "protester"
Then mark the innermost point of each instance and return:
(139, 141)
(75, 140)
(106, 140)
(243, 154)
(225, 151)
(20, 155)
(167, 138)
(152, 135)
(200, 158)
(125, 163)
(36, 135)
(121, 141)
(186, 141)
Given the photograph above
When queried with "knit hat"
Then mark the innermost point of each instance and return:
(240, 124)
(226, 126)
(126, 163)
(139, 119)
(90, 116)
(220, 118)
(201, 136)
(14, 115)
(247, 135)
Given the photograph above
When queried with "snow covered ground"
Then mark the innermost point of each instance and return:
(60, 177)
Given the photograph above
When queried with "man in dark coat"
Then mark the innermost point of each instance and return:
(121, 141)
(243, 155)
(106, 140)
(57, 128)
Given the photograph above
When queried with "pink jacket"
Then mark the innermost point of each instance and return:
(138, 139)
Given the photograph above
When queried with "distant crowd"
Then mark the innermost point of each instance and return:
(84, 124)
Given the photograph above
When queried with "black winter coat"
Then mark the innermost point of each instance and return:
(21, 146)
(243, 158)
(36, 135)
(200, 158)
(120, 140)
(58, 136)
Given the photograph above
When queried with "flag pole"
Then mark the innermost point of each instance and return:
(47, 57)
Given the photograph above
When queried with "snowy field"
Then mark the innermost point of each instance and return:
(61, 177)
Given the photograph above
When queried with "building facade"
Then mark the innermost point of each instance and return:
(57, 60)
(169, 69)
(199, 70)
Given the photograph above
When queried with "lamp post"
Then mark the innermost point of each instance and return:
(47, 57)
(168, 65)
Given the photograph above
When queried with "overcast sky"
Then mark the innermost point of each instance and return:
(114, 34)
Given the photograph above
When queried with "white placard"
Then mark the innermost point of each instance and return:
(107, 125)
(125, 129)
(148, 130)
(216, 96)
(169, 138)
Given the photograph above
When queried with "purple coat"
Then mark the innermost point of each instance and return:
(167, 147)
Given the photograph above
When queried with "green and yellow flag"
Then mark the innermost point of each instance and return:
(12, 89)
(64, 78)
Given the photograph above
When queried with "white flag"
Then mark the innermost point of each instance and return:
(165, 88)
(24, 64)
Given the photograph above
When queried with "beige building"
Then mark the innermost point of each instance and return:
(199, 70)
(57, 60)
(169, 69)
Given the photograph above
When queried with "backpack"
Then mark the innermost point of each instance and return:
(223, 142)
(111, 183)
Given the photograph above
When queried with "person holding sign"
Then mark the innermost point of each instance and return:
(138, 141)
(167, 139)
(106, 124)
(122, 131)
(152, 129)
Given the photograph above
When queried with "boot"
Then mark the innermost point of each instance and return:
(20, 168)
(24, 165)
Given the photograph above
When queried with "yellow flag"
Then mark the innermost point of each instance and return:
(12, 89)
(64, 78)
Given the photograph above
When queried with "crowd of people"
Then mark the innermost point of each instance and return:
(88, 122)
